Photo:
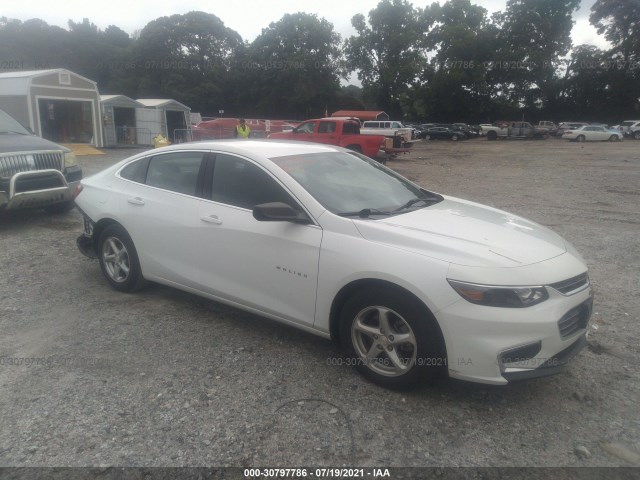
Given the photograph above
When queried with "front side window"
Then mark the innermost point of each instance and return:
(177, 172)
(240, 183)
(306, 127)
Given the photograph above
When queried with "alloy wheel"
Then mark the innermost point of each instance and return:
(384, 341)
(116, 259)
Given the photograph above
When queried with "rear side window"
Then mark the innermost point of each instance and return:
(350, 128)
(136, 171)
(176, 172)
(327, 127)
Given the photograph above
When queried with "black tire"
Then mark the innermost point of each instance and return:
(119, 260)
(636, 135)
(454, 138)
(614, 138)
(427, 137)
(491, 135)
(580, 138)
(355, 148)
(392, 363)
(59, 208)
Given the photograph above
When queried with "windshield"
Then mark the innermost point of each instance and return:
(9, 125)
(354, 185)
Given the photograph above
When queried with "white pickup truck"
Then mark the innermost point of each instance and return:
(388, 128)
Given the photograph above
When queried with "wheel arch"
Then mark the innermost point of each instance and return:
(349, 289)
(99, 227)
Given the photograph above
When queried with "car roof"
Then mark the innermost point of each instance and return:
(269, 148)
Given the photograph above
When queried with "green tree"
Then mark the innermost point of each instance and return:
(387, 53)
(299, 64)
(186, 57)
(33, 44)
(585, 84)
(534, 37)
(462, 44)
(619, 21)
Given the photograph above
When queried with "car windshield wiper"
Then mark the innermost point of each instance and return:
(11, 131)
(413, 201)
(365, 213)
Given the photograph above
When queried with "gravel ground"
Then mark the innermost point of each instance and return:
(164, 378)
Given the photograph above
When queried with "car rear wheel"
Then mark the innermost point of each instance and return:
(636, 135)
(391, 338)
(119, 260)
(454, 138)
(427, 137)
(614, 138)
(580, 138)
(491, 135)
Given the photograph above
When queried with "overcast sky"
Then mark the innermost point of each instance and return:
(247, 17)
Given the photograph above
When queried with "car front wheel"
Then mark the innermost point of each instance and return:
(391, 338)
(636, 135)
(580, 138)
(119, 260)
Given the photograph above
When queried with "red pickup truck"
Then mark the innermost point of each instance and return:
(335, 131)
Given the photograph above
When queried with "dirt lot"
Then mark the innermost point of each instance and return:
(164, 378)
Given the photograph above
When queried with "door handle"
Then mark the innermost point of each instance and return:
(135, 201)
(212, 219)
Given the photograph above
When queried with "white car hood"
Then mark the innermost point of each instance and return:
(466, 233)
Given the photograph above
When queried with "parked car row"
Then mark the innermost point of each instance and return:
(444, 131)
(574, 131)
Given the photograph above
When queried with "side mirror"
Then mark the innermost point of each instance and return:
(278, 212)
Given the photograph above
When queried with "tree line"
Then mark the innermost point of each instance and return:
(444, 62)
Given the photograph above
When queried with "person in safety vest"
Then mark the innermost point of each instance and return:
(242, 130)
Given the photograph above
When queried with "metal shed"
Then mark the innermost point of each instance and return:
(119, 122)
(165, 116)
(56, 104)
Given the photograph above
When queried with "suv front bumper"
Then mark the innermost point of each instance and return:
(39, 188)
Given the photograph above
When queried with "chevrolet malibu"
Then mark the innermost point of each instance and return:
(411, 283)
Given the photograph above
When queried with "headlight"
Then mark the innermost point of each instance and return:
(498, 296)
(70, 159)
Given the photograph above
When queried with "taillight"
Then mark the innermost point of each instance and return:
(77, 191)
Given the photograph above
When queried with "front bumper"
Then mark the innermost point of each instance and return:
(502, 345)
(39, 188)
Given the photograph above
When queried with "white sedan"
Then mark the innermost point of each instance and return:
(410, 282)
(592, 133)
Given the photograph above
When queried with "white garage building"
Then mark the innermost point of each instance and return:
(56, 104)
